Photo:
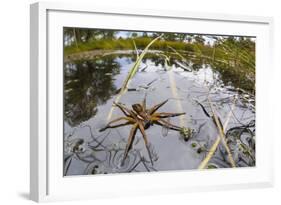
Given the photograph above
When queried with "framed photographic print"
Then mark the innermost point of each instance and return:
(149, 101)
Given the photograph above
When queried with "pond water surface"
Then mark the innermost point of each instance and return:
(91, 87)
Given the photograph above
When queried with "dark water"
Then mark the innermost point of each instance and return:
(91, 87)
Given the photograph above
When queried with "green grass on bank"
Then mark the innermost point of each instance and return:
(122, 44)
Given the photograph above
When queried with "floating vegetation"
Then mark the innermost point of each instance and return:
(187, 133)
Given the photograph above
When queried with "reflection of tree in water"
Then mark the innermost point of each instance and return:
(156, 60)
(194, 63)
(87, 84)
(236, 76)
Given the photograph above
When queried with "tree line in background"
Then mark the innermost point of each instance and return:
(78, 37)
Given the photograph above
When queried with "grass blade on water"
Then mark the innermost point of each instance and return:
(130, 75)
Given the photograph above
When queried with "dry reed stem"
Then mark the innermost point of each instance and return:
(129, 77)
(221, 132)
(213, 149)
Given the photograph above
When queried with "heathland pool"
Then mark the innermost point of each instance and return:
(91, 85)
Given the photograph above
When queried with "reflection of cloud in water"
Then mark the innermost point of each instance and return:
(203, 75)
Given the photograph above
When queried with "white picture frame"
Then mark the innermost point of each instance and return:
(46, 179)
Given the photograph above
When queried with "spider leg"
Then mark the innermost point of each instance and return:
(170, 124)
(125, 110)
(141, 127)
(130, 142)
(115, 126)
(122, 118)
(129, 119)
(156, 107)
(164, 123)
(167, 114)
